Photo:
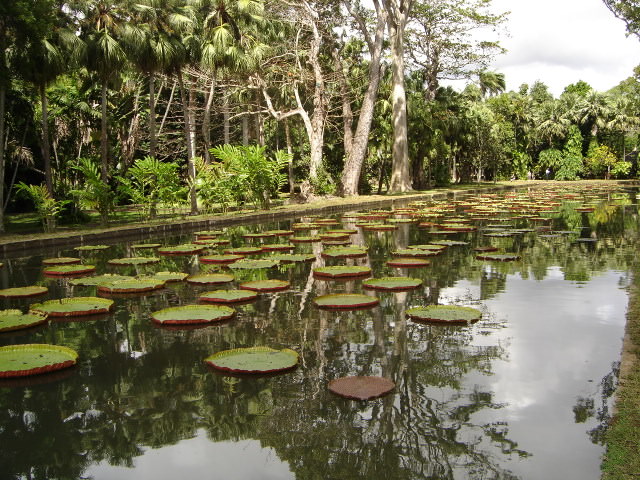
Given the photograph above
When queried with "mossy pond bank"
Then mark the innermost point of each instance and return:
(523, 392)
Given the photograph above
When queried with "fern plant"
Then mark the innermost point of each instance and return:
(47, 207)
(94, 193)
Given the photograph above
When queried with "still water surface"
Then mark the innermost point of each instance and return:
(523, 393)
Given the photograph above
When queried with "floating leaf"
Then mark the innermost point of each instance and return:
(498, 257)
(449, 243)
(244, 250)
(210, 278)
(61, 261)
(190, 314)
(228, 296)
(186, 249)
(29, 291)
(293, 257)
(16, 320)
(98, 279)
(33, 359)
(170, 277)
(361, 388)
(74, 307)
(415, 252)
(134, 261)
(68, 270)
(278, 247)
(255, 360)
(280, 233)
(132, 285)
(444, 314)
(220, 259)
(91, 248)
(345, 252)
(252, 264)
(392, 283)
(341, 271)
(305, 239)
(406, 262)
(346, 301)
(265, 285)
(144, 246)
(486, 249)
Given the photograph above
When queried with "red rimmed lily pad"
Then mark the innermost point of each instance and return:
(498, 257)
(449, 243)
(293, 257)
(210, 278)
(221, 259)
(379, 227)
(407, 262)
(243, 250)
(19, 292)
(280, 233)
(444, 314)
(253, 360)
(192, 314)
(305, 239)
(336, 243)
(170, 277)
(485, 249)
(186, 249)
(68, 270)
(208, 234)
(428, 246)
(345, 301)
(265, 285)
(13, 319)
(392, 283)
(213, 242)
(278, 247)
(61, 261)
(133, 285)
(228, 296)
(345, 252)
(248, 263)
(74, 307)
(91, 248)
(34, 359)
(361, 388)
(415, 252)
(146, 246)
(342, 271)
(335, 236)
(98, 279)
(133, 261)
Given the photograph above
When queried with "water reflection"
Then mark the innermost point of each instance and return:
(524, 393)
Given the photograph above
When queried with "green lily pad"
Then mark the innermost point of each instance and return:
(243, 250)
(265, 285)
(392, 283)
(91, 248)
(279, 233)
(334, 236)
(170, 277)
(342, 271)
(214, 242)
(228, 296)
(132, 285)
(293, 257)
(336, 243)
(190, 314)
(18, 292)
(220, 259)
(305, 239)
(208, 234)
(247, 263)
(186, 249)
(498, 257)
(146, 246)
(133, 261)
(256, 360)
(345, 252)
(361, 388)
(16, 320)
(33, 359)
(345, 301)
(406, 262)
(379, 227)
(250, 236)
(278, 247)
(429, 246)
(61, 261)
(415, 252)
(449, 243)
(98, 279)
(73, 307)
(444, 314)
(210, 278)
(485, 249)
(68, 270)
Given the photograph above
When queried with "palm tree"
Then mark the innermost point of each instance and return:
(491, 83)
(551, 122)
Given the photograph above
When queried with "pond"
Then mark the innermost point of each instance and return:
(524, 392)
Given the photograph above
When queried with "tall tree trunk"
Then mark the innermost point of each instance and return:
(192, 118)
(46, 155)
(356, 153)
(287, 137)
(191, 167)
(225, 118)
(245, 129)
(3, 90)
(206, 121)
(153, 142)
(259, 121)
(104, 144)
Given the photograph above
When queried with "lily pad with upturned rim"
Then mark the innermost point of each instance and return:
(392, 283)
(415, 252)
(342, 271)
(192, 314)
(210, 278)
(73, 307)
(221, 259)
(362, 387)
(91, 248)
(34, 359)
(133, 285)
(19, 292)
(133, 261)
(146, 246)
(98, 279)
(170, 277)
(293, 257)
(14, 319)
(305, 239)
(345, 252)
(265, 285)
(406, 262)
(68, 270)
(248, 263)
(243, 250)
(345, 301)
(278, 247)
(61, 261)
(253, 360)
(444, 314)
(186, 249)
(228, 296)
(498, 257)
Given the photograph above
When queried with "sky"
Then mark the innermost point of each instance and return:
(562, 41)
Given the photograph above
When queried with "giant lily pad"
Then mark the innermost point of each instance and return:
(221, 259)
(228, 296)
(146, 246)
(133, 261)
(243, 250)
(265, 285)
(73, 307)
(252, 264)
(210, 278)
(190, 314)
(392, 283)
(444, 314)
(335, 236)
(98, 279)
(428, 247)
(186, 249)
(345, 301)
(133, 285)
(293, 257)
(33, 359)
(415, 252)
(68, 270)
(498, 257)
(361, 388)
(16, 320)
(305, 239)
(91, 248)
(342, 271)
(379, 227)
(407, 262)
(255, 360)
(278, 247)
(280, 233)
(345, 252)
(170, 277)
(61, 261)
(18, 292)
(208, 234)
(449, 243)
